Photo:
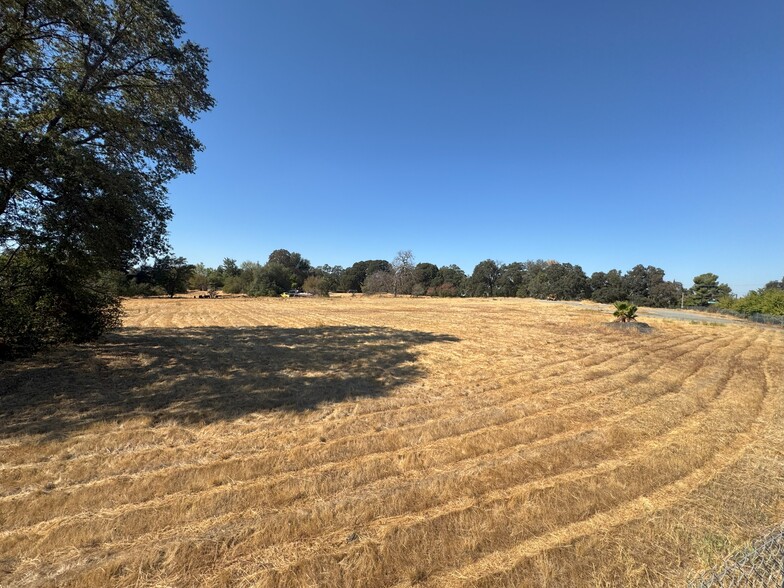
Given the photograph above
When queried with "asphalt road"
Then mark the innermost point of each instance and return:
(668, 313)
(689, 315)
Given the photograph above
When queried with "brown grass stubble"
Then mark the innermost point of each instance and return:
(500, 527)
(437, 430)
(484, 455)
(732, 505)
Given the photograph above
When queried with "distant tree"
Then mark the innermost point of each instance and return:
(297, 266)
(607, 287)
(763, 301)
(229, 267)
(665, 294)
(137, 281)
(215, 278)
(707, 289)
(767, 300)
(403, 272)
(562, 281)
(273, 279)
(172, 274)
(638, 282)
(423, 276)
(450, 281)
(234, 285)
(331, 275)
(485, 278)
(530, 269)
(379, 282)
(247, 280)
(317, 285)
(200, 277)
(775, 285)
(511, 279)
(354, 277)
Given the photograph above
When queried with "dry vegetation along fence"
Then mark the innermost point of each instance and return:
(756, 317)
(759, 566)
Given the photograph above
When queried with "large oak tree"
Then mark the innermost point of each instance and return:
(96, 97)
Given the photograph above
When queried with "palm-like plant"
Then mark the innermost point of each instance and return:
(625, 312)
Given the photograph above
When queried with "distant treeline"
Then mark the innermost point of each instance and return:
(285, 271)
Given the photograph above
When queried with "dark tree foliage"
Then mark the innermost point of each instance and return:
(665, 294)
(273, 279)
(707, 289)
(638, 282)
(171, 274)
(485, 277)
(51, 302)
(775, 285)
(423, 276)
(529, 270)
(512, 278)
(95, 99)
(449, 282)
(354, 277)
(229, 268)
(561, 281)
(607, 287)
(294, 263)
(331, 275)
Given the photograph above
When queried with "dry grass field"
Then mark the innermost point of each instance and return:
(388, 442)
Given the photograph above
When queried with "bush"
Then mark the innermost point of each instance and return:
(769, 301)
(445, 290)
(47, 301)
(379, 282)
(316, 285)
(625, 312)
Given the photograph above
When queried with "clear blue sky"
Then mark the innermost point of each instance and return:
(604, 134)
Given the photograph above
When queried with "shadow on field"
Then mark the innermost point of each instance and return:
(201, 375)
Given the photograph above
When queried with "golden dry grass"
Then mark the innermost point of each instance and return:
(388, 442)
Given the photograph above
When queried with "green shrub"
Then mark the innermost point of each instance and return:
(625, 312)
(47, 301)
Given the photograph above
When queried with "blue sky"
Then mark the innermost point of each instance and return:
(602, 134)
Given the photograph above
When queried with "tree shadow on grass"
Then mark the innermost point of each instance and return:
(203, 375)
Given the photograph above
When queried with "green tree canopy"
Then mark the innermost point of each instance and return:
(298, 266)
(95, 97)
(707, 289)
(775, 285)
(450, 281)
(424, 274)
(512, 279)
(229, 268)
(764, 301)
(562, 281)
(485, 277)
(354, 277)
(607, 287)
(172, 274)
(638, 282)
(331, 275)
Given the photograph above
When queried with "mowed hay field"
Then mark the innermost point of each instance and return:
(388, 442)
